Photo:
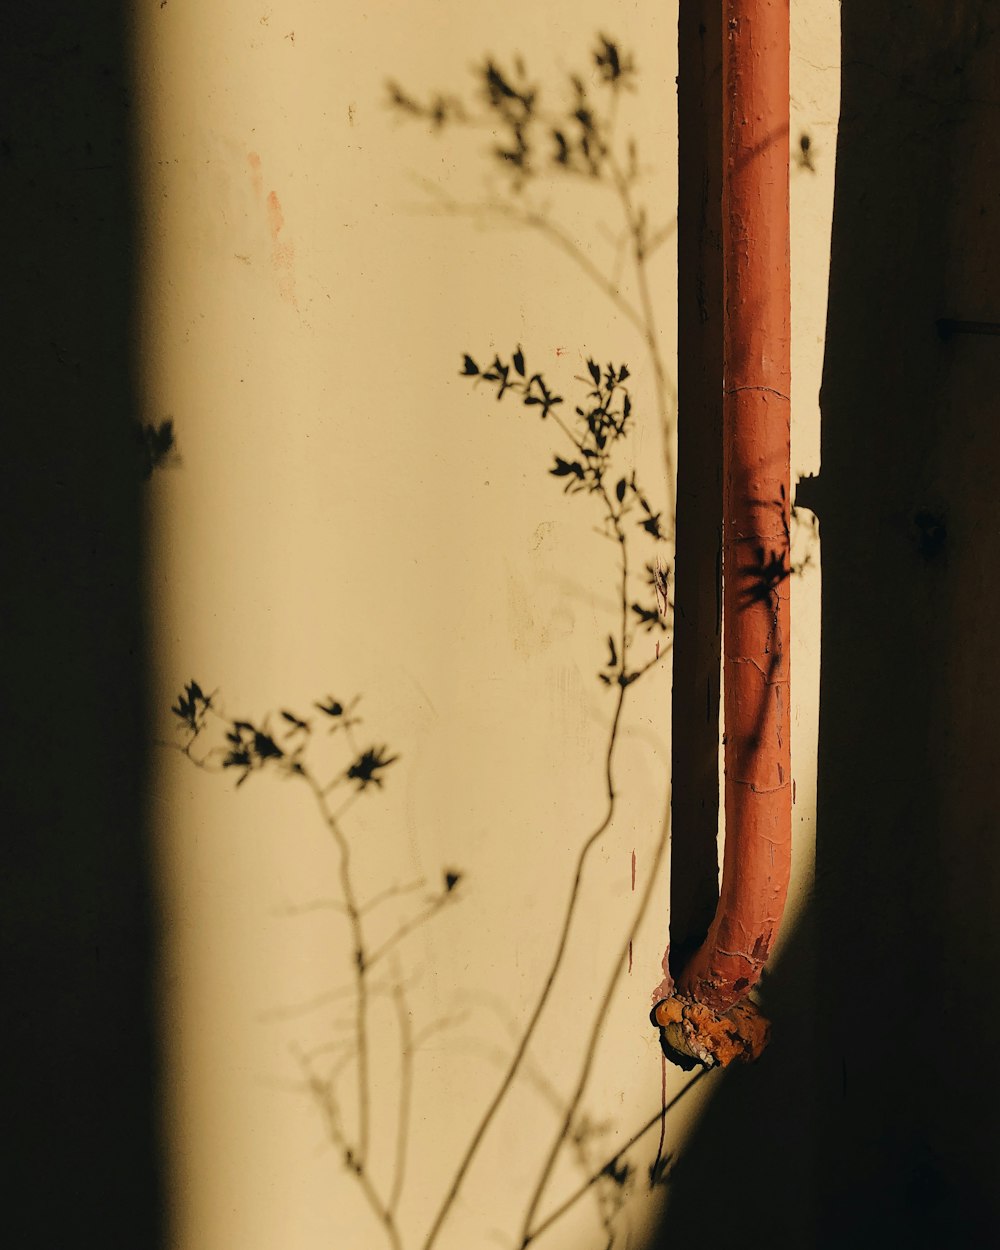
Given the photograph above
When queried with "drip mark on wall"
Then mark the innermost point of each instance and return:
(663, 1113)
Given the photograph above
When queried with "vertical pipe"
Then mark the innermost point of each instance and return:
(756, 488)
(697, 646)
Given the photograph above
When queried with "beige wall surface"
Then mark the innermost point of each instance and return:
(349, 516)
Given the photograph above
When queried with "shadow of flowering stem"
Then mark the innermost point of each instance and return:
(590, 1054)
(251, 748)
(623, 682)
(326, 1100)
(586, 143)
(360, 962)
(555, 964)
(642, 318)
(611, 1162)
(363, 961)
(535, 219)
(666, 398)
(568, 1111)
(405, 1092)
(534, 1076)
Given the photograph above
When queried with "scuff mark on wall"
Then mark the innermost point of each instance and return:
(282, 250)
(282, 253)
(256, 180)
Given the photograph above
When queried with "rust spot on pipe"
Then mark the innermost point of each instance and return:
(691, 1032)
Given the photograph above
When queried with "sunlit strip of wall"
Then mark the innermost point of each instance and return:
(220, 337)
(229, 354)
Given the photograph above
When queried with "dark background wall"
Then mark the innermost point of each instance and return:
(79, 1166)
(873, 1119)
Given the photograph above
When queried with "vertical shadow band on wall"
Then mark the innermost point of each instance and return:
(908, 849)
(694, 863)
(81, 1160)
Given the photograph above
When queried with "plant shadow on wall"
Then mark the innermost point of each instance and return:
(326, 750)
(156, 446)
(578, 144)
(323, 748)
(541, 138)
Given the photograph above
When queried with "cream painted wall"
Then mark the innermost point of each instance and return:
(350, 516)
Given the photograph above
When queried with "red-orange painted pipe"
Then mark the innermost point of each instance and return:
(756, 436)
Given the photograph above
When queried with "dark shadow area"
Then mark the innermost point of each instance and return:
(752, 1164)
(694, 860)
(81, 1164)
(886, 1096)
